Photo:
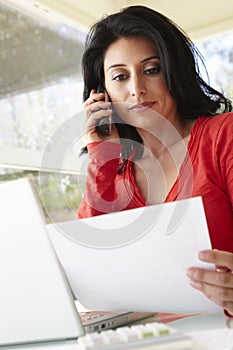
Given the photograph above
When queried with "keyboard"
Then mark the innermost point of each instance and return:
(142, 336)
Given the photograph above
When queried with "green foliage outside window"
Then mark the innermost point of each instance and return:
(60, 196)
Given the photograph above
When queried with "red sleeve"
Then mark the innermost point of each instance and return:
(100, 183)
(224, 147)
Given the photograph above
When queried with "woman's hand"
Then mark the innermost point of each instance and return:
(96, 108)
(217, 284)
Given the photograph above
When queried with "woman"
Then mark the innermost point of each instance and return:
(171, 133)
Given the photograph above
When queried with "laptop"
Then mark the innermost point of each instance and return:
(97, 321)
(36, 302)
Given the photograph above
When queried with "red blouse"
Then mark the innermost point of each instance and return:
(207, 171)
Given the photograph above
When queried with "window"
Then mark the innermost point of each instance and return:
(41, 103)
(217, 52)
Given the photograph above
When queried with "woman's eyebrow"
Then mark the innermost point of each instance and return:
(116, 65)
(149, 58)
(123, 65)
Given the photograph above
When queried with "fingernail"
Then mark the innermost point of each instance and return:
(204, 254)
(190, 272)
(196, 285)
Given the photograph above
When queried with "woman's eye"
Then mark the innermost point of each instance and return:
(120, 77)
(152, 71)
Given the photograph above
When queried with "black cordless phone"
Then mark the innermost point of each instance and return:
(103, 125)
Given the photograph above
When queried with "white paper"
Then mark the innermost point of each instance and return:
(137, 259)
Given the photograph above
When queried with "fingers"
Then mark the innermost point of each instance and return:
(216, 278)
(221, 296)
(217, 284)
(95, 117)
(96, 108)
(92, 105)
(94, 96)
(218, 257)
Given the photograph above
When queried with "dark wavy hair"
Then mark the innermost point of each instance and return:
(179, 59)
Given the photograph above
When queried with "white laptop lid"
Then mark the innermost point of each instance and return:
(36, 304)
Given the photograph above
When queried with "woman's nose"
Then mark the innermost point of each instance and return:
(137, 87)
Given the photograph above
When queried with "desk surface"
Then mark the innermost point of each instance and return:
(201, 322)
(208, 332)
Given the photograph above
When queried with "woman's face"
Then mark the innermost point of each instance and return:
(133, 78)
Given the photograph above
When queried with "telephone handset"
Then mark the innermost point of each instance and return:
(103, 125)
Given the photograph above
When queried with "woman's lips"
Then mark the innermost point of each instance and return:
(141, 107)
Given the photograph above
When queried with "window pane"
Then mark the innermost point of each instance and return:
(40, 85)
(218, 57)
(40, 90)
(59, 194)
(29, 119)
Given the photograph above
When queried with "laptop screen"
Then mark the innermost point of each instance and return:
(36, 304)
